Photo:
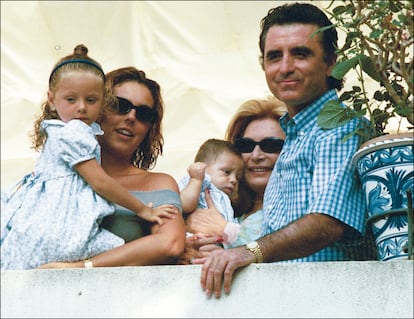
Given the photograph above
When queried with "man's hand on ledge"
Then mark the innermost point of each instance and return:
(219, 267)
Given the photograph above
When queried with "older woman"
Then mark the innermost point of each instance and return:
(256, 132)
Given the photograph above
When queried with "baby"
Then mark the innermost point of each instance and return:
(218, 167)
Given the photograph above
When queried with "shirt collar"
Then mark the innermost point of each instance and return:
(306, 118)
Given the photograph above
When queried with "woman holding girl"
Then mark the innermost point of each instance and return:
(130, 145)
(54, 212)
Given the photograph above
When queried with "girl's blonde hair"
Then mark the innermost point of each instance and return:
(77, 61)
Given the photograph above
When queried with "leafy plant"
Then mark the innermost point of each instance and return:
(379, 45)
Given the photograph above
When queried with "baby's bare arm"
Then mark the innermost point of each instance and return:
(197, 170)
(190, 194)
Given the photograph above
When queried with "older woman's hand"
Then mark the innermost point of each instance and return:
(198, 246)
(206, 221)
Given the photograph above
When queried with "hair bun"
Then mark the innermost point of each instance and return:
(80, 49)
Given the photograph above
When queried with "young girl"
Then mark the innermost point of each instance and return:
(53, 214)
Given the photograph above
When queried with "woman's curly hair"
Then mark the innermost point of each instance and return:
(147, 153)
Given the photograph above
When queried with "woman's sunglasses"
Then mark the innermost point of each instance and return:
(143, 113)
(267, 145)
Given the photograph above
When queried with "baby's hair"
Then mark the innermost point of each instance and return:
(77, 61)
(212, 148)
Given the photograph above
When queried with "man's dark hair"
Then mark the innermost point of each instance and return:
(303, 13)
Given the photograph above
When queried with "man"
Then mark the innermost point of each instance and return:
(313, 205)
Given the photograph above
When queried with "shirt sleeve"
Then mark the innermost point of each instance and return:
(182, 183)
(336, 190)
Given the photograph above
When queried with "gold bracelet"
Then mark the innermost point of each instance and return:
(254, 247)
(87, 263)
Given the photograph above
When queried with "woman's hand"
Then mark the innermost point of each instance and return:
(75, 264)
(198, 246)
(206, 221)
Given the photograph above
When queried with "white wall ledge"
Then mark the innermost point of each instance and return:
(369, 289)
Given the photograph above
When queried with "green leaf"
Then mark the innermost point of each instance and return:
(394, 6)
(368, 67)
(323, 29)
(342, 68)
(378, 96)
(333, 114)
(345, 96)
(361, 112)
(375, 34)
(349, 135)
(339, 10)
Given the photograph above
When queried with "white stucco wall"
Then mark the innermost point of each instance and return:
(368, 289)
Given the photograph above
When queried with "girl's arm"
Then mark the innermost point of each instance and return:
(114, 192)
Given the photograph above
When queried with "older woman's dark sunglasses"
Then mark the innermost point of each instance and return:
(143, 113)
(267, 145)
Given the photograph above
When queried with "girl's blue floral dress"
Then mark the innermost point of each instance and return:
(52, 214)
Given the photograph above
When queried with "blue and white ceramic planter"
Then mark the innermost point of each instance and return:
(385, 166)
